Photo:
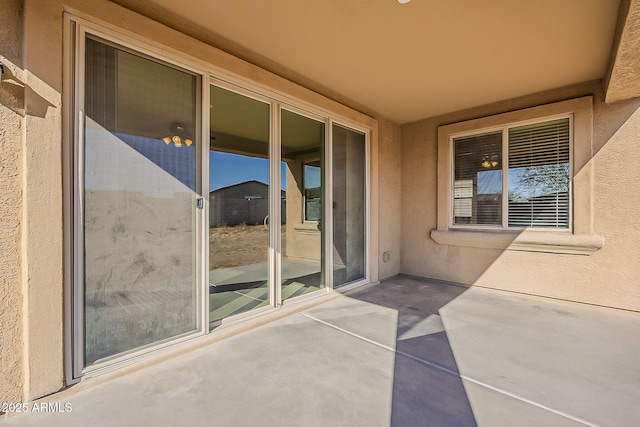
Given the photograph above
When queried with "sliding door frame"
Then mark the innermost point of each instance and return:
(273, 272)
(367, 200)
(278, 102)
(76, 30)
(326, 198)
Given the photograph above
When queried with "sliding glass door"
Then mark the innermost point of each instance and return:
(238, 203)
(138, 180)
(302, 238)
(349, 205)
(242, 214)
(268, 193)
(177, 226)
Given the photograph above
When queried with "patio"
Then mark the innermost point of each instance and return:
(406, 352)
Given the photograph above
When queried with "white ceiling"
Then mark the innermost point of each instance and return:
(412, 61)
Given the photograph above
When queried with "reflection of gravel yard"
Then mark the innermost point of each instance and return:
(238, 245)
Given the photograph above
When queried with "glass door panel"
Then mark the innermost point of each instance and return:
(238, 204)
(139, 188)
(302, 235)
(349, 205)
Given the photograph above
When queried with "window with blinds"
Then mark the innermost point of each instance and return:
(539, 175)
(535, 174)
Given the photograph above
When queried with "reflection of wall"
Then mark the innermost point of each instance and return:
(139, 282)
(303, 240)
(139, 246)
(244, 203)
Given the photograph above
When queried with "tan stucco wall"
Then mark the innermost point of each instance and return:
(389, 203)
(44, 268)
(42, 203)
(608, 277)
(303, 240)
(622, 80)
(11, 112)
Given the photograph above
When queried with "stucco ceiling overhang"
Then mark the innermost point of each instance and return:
(407, 61)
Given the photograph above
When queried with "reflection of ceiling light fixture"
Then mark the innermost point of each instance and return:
(490, 161)
(178, 136)
(403, 1)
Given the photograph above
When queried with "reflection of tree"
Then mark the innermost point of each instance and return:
(541, 180)
(516, 197)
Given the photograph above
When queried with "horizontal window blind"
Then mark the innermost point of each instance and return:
(312, 204)
(539, 175)
(477, 187)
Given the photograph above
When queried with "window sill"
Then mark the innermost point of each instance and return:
(526, 240)
(307, 228)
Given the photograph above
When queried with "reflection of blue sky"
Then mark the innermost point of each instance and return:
(311, 176)
(137, 164)
(228, 169)
(490, 182)
(107, 159)
(178, 162)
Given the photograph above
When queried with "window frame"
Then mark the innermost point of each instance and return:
(579, 239)
(305, 162)
(504, 203)
(304, 196)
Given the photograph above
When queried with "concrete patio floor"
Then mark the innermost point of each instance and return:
(406, 352)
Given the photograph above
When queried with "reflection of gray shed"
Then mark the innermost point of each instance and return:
(246, 202)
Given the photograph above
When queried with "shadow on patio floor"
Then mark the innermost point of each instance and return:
(406, 352)
(423, 356)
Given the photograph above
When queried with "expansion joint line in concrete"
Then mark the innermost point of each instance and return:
(248, 296)
(454, 373)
